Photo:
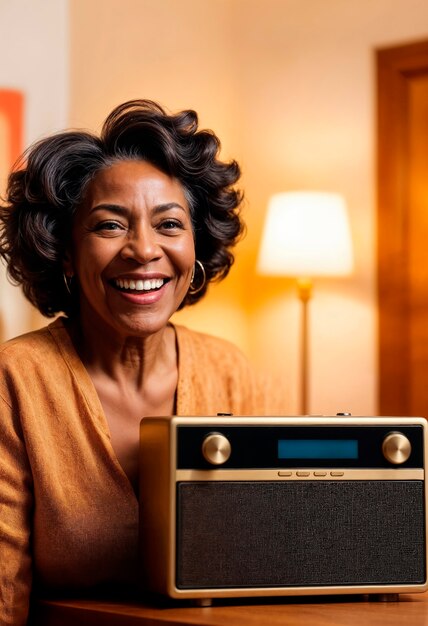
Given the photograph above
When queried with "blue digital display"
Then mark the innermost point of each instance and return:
(318, 449)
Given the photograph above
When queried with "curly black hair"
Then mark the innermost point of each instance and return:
(49, 183)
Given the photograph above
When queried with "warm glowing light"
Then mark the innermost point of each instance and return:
(306, 234)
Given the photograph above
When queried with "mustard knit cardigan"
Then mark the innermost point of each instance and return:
(68, 513)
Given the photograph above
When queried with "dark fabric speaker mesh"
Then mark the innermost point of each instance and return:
(257, 534)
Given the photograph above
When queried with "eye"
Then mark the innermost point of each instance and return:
(108, 226)
(170, 224)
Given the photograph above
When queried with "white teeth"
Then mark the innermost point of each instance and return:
(140, 285)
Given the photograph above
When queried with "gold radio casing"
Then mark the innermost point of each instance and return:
(160, 508)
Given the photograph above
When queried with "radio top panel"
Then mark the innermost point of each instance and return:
(297, 442)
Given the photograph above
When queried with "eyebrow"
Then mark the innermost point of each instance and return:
(121, 210)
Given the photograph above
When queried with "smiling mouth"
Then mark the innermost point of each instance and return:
(139, 286)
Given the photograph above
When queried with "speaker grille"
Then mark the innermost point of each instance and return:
(271, 534)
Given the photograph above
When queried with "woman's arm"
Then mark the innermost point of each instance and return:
(16, 503)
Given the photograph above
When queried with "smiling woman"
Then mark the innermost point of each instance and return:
(116, 232)
(132, 248)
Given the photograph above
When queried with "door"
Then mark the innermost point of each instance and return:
(402, 177)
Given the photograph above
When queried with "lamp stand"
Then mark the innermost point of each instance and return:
(304, 286)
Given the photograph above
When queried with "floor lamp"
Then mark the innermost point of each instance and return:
(306, 234)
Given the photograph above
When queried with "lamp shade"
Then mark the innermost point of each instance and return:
(306, 234)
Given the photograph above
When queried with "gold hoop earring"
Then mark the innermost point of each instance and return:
(192, 289)
(67, 282)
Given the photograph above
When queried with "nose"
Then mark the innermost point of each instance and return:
(141, 245)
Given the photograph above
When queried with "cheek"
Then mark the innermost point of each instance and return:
(95, 254)
(185, 254)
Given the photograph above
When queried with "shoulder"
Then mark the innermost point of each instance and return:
(30, 346)
(28, 360)
(209, 349)
(215, 375)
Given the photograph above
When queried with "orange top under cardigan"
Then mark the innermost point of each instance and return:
(68, 513)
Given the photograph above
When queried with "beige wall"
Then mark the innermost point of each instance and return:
(34, 60)
(289, 87)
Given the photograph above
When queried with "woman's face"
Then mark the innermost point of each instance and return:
(132, 249)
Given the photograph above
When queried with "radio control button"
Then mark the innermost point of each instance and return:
(396, 448)
(320, 473)
(302, 474)
(337, 474)
(216, 448)
(285, 473)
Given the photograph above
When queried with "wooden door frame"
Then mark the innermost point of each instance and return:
(395, 68)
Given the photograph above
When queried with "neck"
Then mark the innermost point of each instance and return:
(128, 358)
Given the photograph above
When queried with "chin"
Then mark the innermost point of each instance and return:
(142, 327)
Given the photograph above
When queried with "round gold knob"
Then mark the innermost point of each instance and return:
(216, 448)
(396, 448)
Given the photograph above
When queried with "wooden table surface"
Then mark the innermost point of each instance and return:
(409, 610)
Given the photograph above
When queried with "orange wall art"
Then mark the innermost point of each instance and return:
(11, 129)
(11, 143)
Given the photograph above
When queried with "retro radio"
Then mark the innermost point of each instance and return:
(252, 506)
